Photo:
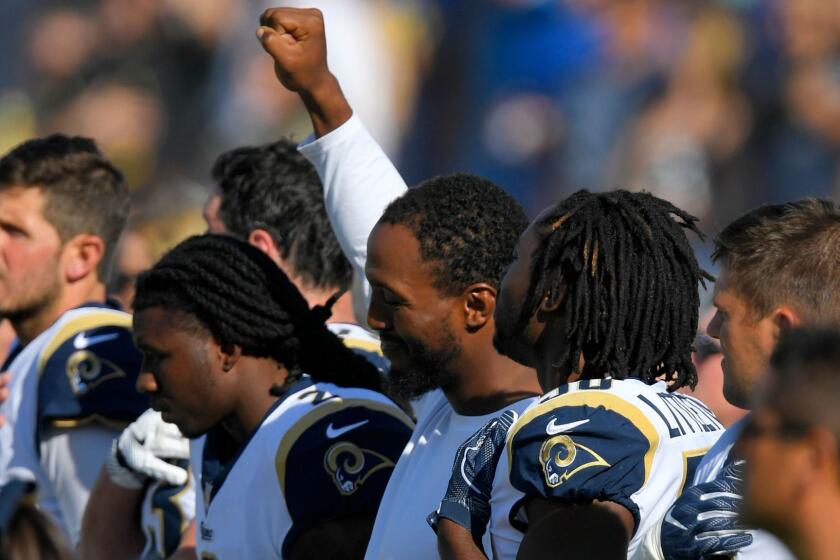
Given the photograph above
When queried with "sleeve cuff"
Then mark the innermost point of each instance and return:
(312, 147)
(457, 513)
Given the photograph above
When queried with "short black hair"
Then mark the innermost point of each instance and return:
(237, 293)
(630, 281)
(273, 187)
(467, 227)
(804, 388)
(84, 192)
(786, 254)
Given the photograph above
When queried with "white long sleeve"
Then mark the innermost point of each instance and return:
(359, 182)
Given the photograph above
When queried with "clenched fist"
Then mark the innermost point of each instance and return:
(295, 40)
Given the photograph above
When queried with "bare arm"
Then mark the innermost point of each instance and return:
(111, 525)
(456, 543)
(187, 548)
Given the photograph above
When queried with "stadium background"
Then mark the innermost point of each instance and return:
(715, 105)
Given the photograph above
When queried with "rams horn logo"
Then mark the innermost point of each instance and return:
(350, 466)
(562, 458)
(86, 370)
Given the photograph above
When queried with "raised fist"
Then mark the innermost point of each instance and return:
(295, 40)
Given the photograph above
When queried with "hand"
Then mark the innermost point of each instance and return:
(295, 40)
(703, 522)
(5, 378)
(141, 451)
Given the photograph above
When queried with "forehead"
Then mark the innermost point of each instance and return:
(156, 327)
(23, 203)
(394, 258)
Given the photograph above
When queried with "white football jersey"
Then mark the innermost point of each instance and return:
(72, 390)
(617, 440)
(322, 451)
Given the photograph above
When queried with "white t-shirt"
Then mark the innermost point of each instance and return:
(72, 390)
(359, 182)
(420, 479)
(764, 546)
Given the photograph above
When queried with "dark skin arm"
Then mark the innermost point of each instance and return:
(455, 542)
(295, 40)
(537, 508)
(111, 525)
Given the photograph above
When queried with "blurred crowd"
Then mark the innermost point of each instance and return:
(715, 105)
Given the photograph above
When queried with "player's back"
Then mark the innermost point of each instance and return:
(322, 452)
(617, 440)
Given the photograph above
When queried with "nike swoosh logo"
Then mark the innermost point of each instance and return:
(333, 433)
(553, 428)
(81, 341)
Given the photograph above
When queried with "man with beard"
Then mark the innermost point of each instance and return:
(602, 300)
(433, 259)
(74, 365)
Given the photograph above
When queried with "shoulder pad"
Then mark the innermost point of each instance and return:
(582, 446)
(88, 371)
(337, 460)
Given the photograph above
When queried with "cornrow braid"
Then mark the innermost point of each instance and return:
(629, 279)
(239, 294)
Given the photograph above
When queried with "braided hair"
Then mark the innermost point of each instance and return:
(238, 294)
(629, 279)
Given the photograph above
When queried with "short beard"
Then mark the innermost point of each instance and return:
(32, 307)
(429, 369)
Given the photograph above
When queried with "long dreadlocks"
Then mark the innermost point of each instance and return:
(622, 265)
(242, 298)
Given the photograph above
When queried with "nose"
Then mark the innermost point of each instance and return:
(146, 383)
(378, 317)
(713, 329)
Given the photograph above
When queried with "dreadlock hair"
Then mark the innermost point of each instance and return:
(630, 281)
(242, 298)
(467, 226)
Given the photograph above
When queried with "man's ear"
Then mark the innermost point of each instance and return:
(785, 318)
(479, 305)
(551, 302)
(228, 355)
(81, 255)
(263, 241)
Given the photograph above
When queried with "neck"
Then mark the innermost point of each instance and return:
(486, 381)
(342, 310)
(72, 295)
(255, 399)
(817, 537)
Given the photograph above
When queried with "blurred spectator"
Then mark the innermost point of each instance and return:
(795, 431)
(717, 106)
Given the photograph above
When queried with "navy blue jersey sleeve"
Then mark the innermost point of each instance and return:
(336, 461)
(583, 446)
(89, 372)
(467, 498)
